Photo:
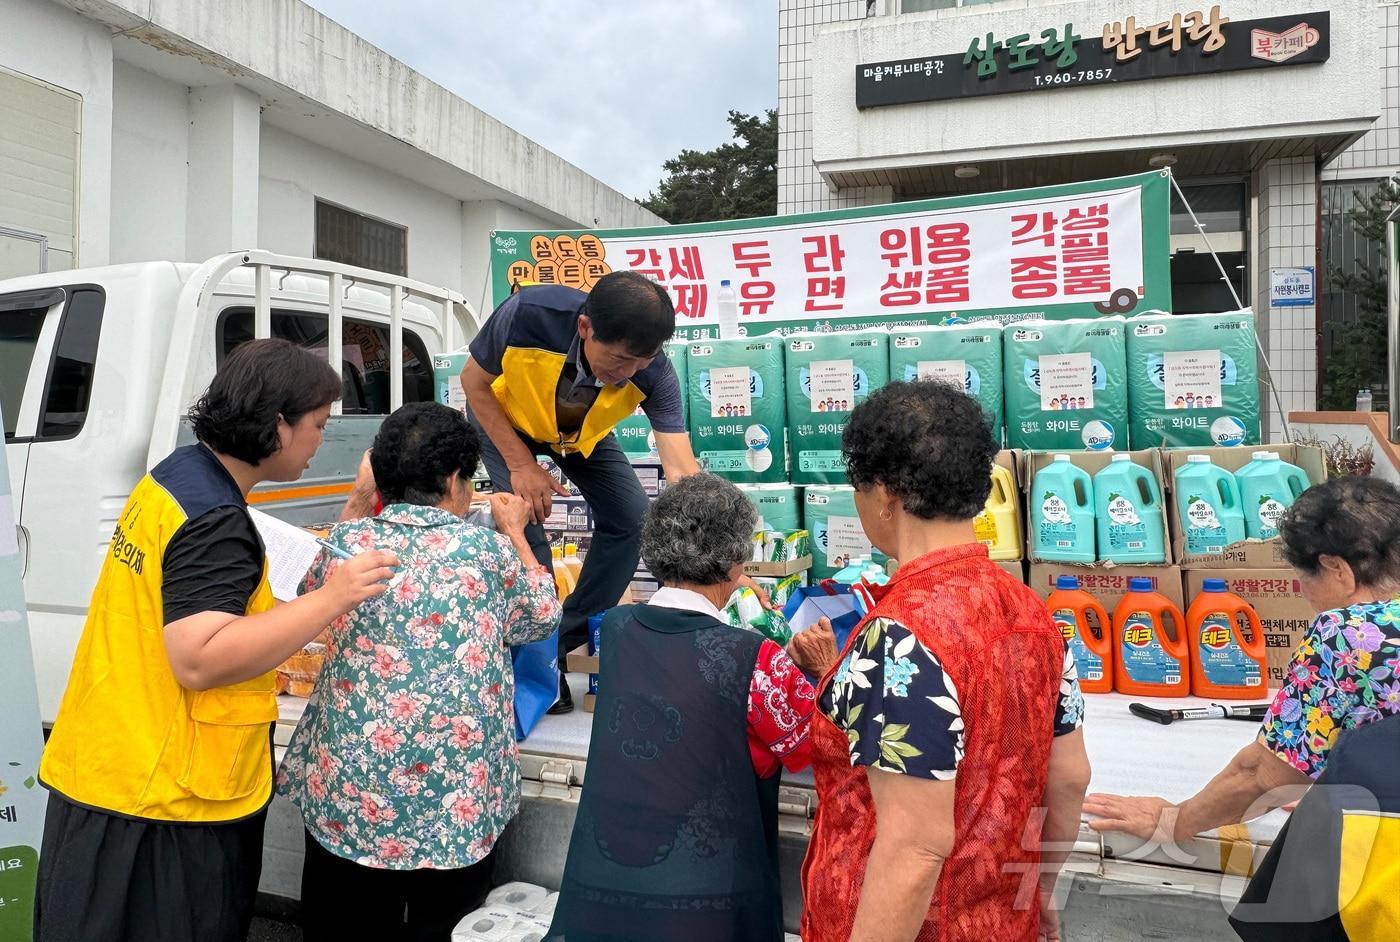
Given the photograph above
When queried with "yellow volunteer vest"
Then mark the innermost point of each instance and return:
(129, 739)
(526, 391)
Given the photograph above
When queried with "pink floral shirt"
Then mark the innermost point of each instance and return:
(406, 755)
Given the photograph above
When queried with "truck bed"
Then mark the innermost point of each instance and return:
(1118, 889)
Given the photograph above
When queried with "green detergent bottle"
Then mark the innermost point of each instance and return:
(1268, 487)
(1062, 513)
(1209, 506)
(1128, 508)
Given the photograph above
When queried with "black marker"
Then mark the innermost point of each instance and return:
(1216, 711)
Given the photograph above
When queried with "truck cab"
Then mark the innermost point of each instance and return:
(99, 366)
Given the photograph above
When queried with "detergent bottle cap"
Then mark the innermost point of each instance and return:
(1214, 585)
(570, 549)
(1121, 456)
(1266, 456)
(1066, 582)
(1198, 459)
(1140, 584)
(1065, 458)
(557, 552)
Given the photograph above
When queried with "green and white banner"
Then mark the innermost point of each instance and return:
(22, 799)
(1077, 250)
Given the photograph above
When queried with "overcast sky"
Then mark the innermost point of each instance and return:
(615, 88)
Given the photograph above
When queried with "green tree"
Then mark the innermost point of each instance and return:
(1358, 357)
(736, 180)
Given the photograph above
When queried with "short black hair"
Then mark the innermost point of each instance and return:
(416, 450)
(928, 443)
(629, 308)
(1353, 518)
(258, 381)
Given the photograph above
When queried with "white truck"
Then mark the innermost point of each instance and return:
(97, 368)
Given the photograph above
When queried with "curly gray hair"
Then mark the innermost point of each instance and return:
(697, 530)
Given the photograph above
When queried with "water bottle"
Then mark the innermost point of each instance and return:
(1363, 400)
(728, 309)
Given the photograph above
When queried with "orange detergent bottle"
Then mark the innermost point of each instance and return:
(1149, 660)
(1228, 661)
(1087, 631)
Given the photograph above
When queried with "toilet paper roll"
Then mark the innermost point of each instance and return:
(491, 923)
(521, 896)
(545, 907)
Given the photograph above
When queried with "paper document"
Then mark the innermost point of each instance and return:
(290, 552)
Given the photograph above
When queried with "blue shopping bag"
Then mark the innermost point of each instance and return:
(536, 669)
(830, 600)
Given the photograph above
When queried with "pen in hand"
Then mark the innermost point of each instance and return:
(335, 550)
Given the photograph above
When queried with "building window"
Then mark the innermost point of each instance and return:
(352, 238)
(1221, 207)
(1347, 251)
(919, 6)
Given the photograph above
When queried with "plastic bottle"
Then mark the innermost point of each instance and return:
(1208, 503)
(1227, 662)
(1062, 513)
(572, 562)
(1128, 508)
(998, 526)
(563, 579)
(1268, 487)
(1363, 400)
(1091, 642)
(1148, 659)
(727, 307)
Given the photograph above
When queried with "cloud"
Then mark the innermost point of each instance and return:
(614, 93)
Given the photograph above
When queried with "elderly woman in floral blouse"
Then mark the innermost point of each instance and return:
(404, 766)
(1343, 540)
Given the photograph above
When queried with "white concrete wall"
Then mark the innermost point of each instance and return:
(56, 45)
(294, 173)
(1243, 105)
(150, 155)
(480, 218)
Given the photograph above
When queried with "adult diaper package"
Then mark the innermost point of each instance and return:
(828, 375)
(1066, 385)
(634, 432)
(738, 415)
(1193, 380)
(967, 355)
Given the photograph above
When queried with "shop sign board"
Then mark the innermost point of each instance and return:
(1076, 250)
(1055, 55)
(1292, 287)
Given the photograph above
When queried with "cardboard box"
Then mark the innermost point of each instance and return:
(1108, 584)
(651, 476)
(579, 661)
(778, 570)
(1277, 597)
(1246, 554)
(590, 702)
(1093, 462)
(570, 515)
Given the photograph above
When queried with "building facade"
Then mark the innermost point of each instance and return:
(133, 130)
(1268, 142)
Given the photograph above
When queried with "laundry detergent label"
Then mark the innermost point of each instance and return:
(1057, 527)
(1088, 664)
(1205, 534)
(1126, 531)
(984, 529)
(1270, 512)
(1144, 658)
(1222, 660)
